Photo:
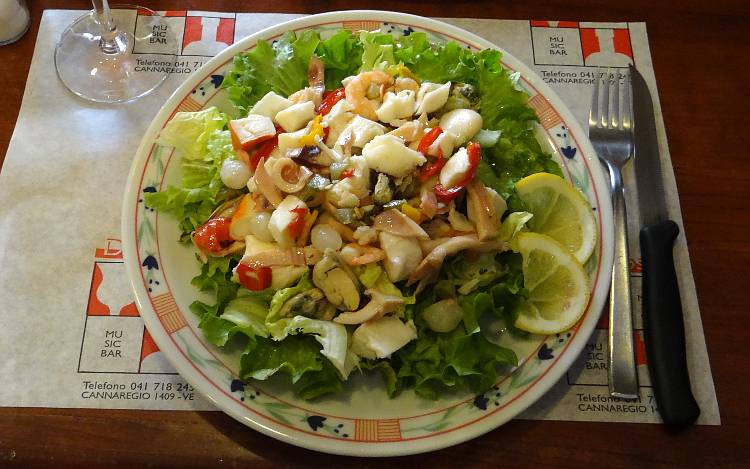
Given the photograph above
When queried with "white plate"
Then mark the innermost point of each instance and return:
(363, 421)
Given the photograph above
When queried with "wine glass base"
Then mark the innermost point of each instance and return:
(93, 71)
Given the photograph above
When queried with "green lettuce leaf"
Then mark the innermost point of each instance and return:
(514, 223)
(289, 346)
(503, 107)
(480, 272)
(377, 50)
(500, 294)
(438, 63)
(281, 296)
(392, 385)
(245, 315)
(299, 358)
(369, 275)
(236, 310)
(341, 54)
(295, 357)
(330, 335)
(318, 383)
(474, 306)
(516, 155)
(248, 313)
(280, 67)
(437, 363)
(201, 189)
(189, 132)
(216, 330)
(373, 276)
(508, 294)
(215, 278)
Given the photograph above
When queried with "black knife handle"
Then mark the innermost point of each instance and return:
(664, 329)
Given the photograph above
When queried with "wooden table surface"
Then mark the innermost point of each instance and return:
(700, 59)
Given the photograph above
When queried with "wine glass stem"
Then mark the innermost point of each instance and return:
(112, 41)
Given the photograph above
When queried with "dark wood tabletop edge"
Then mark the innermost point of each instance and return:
(176, 438)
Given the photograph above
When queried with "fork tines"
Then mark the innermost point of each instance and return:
(608, 93)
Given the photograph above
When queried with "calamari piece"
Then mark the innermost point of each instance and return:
(379, 306)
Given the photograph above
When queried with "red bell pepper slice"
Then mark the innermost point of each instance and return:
(445, 195)
(432, 168)
(347, 173)
(428, 139)
(424, 145)
(265, 149)
(213, 235)
(298, 223)
(254, 278)
(330, 100)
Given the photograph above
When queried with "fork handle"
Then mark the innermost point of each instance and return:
(623, 374)
(664, 326)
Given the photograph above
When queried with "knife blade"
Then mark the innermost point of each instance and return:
(663, 321)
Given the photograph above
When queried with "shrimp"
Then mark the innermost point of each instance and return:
(411, 131)
(405, 83)
(356, 92)
(304, 95)
(316, 82)
(355, 254)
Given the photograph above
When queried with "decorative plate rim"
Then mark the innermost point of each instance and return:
(471, 429)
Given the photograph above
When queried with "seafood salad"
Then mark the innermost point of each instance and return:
(355, 211)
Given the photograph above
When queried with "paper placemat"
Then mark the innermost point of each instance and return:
(70, 334)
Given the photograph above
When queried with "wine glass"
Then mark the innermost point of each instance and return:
(100, 62)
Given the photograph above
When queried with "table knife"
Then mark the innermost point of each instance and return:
(663, 325)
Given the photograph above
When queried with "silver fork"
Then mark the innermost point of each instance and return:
(611, 132)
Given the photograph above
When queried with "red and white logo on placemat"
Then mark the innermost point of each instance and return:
(110, 293)
(607, 47)
(114, 339)
(207, 35)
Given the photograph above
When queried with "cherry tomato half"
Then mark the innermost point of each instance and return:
(213, 235)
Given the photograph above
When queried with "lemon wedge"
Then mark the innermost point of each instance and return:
(560, 211)
(557, 284)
